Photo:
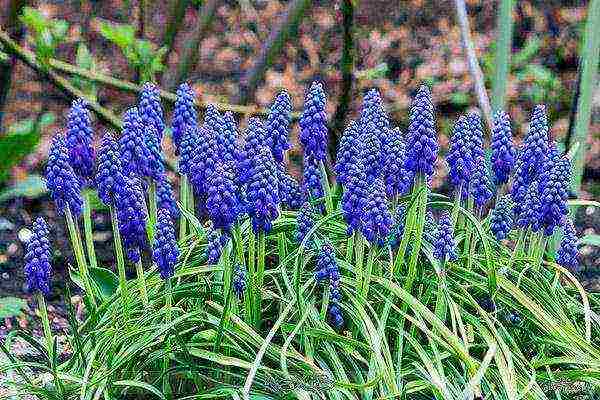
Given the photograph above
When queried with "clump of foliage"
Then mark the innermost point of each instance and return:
(371, 286)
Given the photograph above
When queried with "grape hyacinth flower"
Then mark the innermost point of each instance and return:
(165, 251)
(135, 155)
(109, 175)
(305, 221)
(263, 191)
(239, 279)
(503, 151)
(213, 121)
(278, 125)
(354, 199)
(326, 264)
(520, 185)
(378, 220)
(255, 138)
(215, 243)
(165, 196)
(444, 247)
(188, 146)
(184, 114)
(156, 164)
(373, 111)
(334, 312)
(313, 123)
(204, 162)
(480, 184)
(554, 192)
(530, 212)
(227, 142)
(290, 193)
(535, 146)
(459, 157)
(501, 222)
(421, 140)
(37, 259)
(151, 111)
(567, 254)
(475, 138)
(131, 215)
(61, 181)
(372, 156)
(397, 231)
(79, 141)
(313, 179)
(221, 201)
(397, 179)
(348, 150)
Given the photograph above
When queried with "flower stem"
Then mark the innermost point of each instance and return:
(183, 195)
(421, 212)
(80, 259)
(88, 229)
(139, 269)
(368, 270)
(350, 248)
(328, 192)
(260, 272)
(250, 301)
(169, 318)
(359, 256)
(120, 263)
(152, 208)
(45, 321)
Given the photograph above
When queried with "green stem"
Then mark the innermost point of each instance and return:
(45, 321)
(152, 208)
(250, 300)
(328, 193)
(88, 229)
(169, 318)
(408, 229)
(260, 272)
(416, 250)
(183, 199)
(139, 269)
(368, 270)
(120, 264)
(517, 249)
(350, 248)
(80, 259)
(359, 256)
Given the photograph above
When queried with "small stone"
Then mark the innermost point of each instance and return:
(12, 249)
(24, 235)
(6, 225)
(5, 275)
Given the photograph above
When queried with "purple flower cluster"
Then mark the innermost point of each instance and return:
(79, 141)
(131, 214)
(397, 179)
(263, 192)
(313, 123)
(355, 197)
(459, 157)
(503, 151)
(37, 258)
(327, 268)
(278, 125)
(165, 198)
(151, 111)
(421, 140)
(239, 279)
(305, 221)
(290, 193)
(397, 230)
(165, 251)
(554, 191)
(501, 222)
(313, 179)
(109, 175)
(135, 154)
(530, 211)
(156, 164)
(61, 181)
(204, 162)
(214, 246)
(188, 145)
(348, 152)
(184, 114)
(372, 155)
(567, 254)
(227, 141)
(535, 146)
(444, 247)
(377, 218)
(256, 137)
(222, 200)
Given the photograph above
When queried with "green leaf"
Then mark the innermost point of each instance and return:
(141, 385)
(34, 20)
(593, 240)
(11, 307)
(122, 35)
(106, 280)
(31, 187)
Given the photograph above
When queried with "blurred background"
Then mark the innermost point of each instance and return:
(241, 53)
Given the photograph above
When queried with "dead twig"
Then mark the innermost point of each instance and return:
(272, 47)
(474, 68)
